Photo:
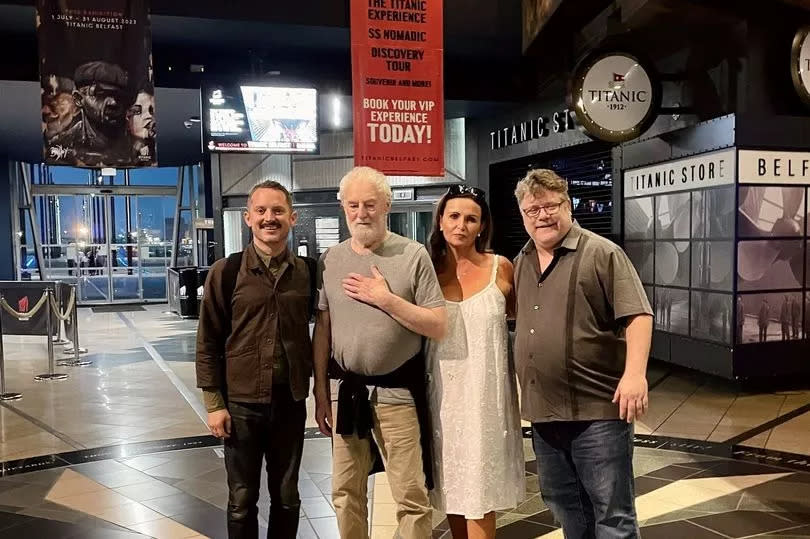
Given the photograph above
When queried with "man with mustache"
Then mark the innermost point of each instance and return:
(584, 326)
(379, 296)
(254, 360)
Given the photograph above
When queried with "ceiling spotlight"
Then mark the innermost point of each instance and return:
(187, 124)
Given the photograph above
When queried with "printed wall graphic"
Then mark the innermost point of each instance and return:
(806, 311)
(686, 241)
(807, 264)
(672, 310)
(672, 263)
(712, 265)
(711, 316)
(397, 86)
(770, 264)
(638, 218)
(98, 105)
(767, 212)
(641, 255)
(672, 216)
(774, 316)
(713, 213)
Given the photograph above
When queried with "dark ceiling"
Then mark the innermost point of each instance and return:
(305, 40)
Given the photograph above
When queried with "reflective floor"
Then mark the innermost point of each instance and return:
(120, 449)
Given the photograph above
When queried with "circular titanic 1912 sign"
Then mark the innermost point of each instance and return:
(800, 63)
(616, 98)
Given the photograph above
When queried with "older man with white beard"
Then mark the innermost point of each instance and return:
(379, 296)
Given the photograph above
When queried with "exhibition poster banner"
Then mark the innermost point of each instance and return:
(397, 86)
(95, 65)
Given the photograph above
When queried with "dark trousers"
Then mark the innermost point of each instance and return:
(763, 333)
(274, 432)
(586, 477)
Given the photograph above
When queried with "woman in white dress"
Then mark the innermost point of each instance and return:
(478, 446)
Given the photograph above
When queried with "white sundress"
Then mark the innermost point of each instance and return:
(472, 392)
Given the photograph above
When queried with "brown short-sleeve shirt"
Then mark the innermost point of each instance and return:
(570, 347)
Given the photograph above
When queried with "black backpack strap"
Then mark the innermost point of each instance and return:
(229, 274)
(312, 266)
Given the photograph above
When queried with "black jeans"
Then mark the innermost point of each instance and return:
(586, 477)
(275, 432)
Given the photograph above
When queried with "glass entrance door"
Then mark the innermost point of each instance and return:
(124, 249)
(155, 228)
(75, 243)
(116, 248)
(93, 250)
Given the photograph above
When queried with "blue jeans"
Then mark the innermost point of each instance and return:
(586, 477)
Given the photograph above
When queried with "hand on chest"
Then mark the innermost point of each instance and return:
(395, 279)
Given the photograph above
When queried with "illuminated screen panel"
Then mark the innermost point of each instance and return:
(262, 119)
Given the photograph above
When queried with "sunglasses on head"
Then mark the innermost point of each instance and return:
(460, 190)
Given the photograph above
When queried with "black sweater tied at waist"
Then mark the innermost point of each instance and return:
(354, 409)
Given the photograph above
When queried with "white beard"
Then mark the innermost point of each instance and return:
(366, 235)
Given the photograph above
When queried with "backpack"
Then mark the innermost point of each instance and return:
(231, 271)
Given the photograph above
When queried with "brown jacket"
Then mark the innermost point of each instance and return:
(263, 309)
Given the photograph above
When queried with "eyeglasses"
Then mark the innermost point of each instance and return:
(550, 209)
(461, 190)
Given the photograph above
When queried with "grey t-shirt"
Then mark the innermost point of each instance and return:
(365, 339)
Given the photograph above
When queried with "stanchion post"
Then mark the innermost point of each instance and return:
(75, 349)
(59, 340)
(51, 375)
(76, 362)
(3, 395)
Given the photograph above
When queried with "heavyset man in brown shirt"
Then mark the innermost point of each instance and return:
(254, 361)
(584, 326)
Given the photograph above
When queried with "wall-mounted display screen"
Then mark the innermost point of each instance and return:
(260, 119)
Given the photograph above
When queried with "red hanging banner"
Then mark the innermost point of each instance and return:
(398, 86)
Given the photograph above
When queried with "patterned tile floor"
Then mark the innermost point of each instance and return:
(119, 449)
(182, 494)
